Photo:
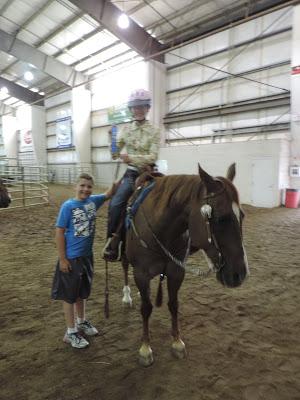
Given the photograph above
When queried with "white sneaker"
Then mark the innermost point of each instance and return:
(87, 328)
(75, 340)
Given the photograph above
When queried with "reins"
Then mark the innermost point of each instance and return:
(206, 211)
(106, 302)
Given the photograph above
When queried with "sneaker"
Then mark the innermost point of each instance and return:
(75, 340)
(87, 328)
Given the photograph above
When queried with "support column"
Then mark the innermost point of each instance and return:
(9, 133)
(295, 96)
(81, 116)
(38, 131)
(157, 87)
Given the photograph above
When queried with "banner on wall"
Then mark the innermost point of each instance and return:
(63, 132)
(26, 143)
(118, 114)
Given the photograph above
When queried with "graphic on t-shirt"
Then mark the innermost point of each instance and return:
(91, 214)
(81, 222)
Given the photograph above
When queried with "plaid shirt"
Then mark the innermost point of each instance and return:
(142, 143)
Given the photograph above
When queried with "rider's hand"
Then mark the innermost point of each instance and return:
(125, 158)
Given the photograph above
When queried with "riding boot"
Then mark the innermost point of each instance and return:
(112, 249)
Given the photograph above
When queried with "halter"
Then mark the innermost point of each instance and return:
(206, 212)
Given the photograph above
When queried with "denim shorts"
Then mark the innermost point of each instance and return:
(69, 286)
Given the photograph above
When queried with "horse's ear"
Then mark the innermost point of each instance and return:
(231, 172)
(208, 180)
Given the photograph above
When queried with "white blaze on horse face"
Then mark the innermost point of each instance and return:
(237, 212)
(246, 261)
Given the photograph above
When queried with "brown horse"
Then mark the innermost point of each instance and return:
(4, 196)
(182, 214)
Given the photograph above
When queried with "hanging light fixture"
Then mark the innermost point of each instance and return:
(28, 76)
(123, 21)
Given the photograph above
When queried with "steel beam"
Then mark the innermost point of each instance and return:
(137, 38)
(223, 19)
(22, 93)
(6, 109)
(24, 52)
(273, 101)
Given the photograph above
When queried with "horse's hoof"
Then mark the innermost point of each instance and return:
(145, 356)
(127, 304)
(178, 349)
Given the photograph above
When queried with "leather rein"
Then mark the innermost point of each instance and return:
(206, 212)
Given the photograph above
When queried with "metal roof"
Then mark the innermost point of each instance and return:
(68, 43)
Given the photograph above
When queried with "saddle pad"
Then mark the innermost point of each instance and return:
(132, 209)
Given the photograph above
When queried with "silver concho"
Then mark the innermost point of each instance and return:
(206, 211)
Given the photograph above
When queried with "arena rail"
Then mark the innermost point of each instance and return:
(27, 185)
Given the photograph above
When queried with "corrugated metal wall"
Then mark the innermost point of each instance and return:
(207, 95)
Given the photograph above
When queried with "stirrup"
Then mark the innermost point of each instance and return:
(112, 254)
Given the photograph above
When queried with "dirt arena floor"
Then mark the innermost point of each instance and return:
(242, 344)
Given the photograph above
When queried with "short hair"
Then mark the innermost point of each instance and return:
(86, 176)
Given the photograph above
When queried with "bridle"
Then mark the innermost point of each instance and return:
(206, 212)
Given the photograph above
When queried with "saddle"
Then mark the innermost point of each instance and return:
(143, 185)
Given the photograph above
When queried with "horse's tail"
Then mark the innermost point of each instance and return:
(159, 294)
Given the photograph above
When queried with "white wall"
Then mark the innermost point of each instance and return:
(216, 158)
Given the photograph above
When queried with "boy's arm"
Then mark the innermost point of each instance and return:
(112, 190)
(64, 264)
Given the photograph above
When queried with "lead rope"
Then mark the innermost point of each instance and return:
(106, 303)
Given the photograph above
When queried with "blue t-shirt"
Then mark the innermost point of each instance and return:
(78, 217)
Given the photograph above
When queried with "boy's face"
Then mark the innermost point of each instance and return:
(83, 189)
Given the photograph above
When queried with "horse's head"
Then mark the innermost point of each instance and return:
(4, 196)
(215, 226)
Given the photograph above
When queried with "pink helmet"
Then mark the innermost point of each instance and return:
(139, 97)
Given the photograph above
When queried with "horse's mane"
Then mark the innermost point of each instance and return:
(176, 189)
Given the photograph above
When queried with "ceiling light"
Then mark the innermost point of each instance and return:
(123, 21)
(28, 76)
(4, 90)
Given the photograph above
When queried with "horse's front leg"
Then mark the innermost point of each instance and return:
(145, 351)
(126, 300)
(178, 346)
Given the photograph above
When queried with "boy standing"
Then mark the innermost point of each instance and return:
(75, 230)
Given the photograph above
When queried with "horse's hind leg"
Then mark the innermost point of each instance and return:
(178, 346)
(126, 300)
(145, 351)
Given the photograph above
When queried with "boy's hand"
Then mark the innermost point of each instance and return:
(65, 266)
(112, 190)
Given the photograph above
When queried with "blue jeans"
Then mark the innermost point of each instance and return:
(117, 205)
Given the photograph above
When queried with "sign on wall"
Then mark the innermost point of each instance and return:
(118, 114)
(64, 132)
(26, 140)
